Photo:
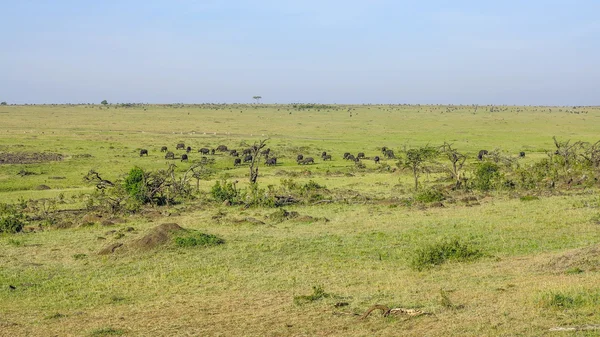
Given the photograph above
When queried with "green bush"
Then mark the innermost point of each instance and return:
(486, 176)
(571, 299)
(198, 239)
(12, 219)
(443, 251)
(135, 184)
(429, 195)
(225, 190)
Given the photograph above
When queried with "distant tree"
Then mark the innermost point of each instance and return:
(257, 98)
(104, 102)
(416, 158)
(3, 103)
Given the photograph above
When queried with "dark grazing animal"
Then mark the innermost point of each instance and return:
(184, 157)
(307, 160)
(212, 151)
(265, 152)
(143, 152)
(163, 149)
(346, 154)
(327, 157)
(247, 158)
(299, 157)
(247, 152)
(237, 161)
(180, 146)
(221, 148)
(521, 154)
(481, 154)
(204, 150)
(389, 154)
(360, 155)
(188, 149)
(376, 159)
(351, 157)
(323, 154)
(384, 149)
(233, 153)
(169, 155)
(271, 161)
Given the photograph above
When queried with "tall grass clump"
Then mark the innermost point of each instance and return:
(443, 251)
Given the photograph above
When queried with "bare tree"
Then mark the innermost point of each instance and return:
(457, 160)
(256, 158)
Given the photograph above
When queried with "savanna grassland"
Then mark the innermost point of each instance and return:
(510, 247)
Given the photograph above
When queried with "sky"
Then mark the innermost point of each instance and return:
(535, 52)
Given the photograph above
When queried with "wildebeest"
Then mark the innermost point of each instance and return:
(376, 159)
(384, 149)
(271, 161)
(143, 152)
(360, 155)
(169, 155)
(180, 146)
(323, 154)
(481, 154)
(188, 149)
(237, 161)
(247, 158)
(163, 149)
(521, 154)
(346, 154)
(351, 157)
(184, 157)
(266, 152)
(389, 154)
(299, 157)
(221, 148)
(233, 153)
(327, 157)
(307, 160)
(246, 152)
(204, 150)
(212, 151)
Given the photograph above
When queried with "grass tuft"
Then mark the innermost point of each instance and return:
(198, 239)
(318, 293)
(443, 251)
(107, 332)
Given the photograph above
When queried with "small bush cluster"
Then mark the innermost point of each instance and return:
(428, 195)
(443, 251)
(12, 219)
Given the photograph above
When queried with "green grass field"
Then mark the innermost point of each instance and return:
(538, 266)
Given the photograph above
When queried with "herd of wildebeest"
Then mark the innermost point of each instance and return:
(247, 156)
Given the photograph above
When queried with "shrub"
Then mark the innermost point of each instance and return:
(486, 176)
(443, 251)
(12, 219)
(198, 239)
(225, 190)
(135, 184)
(429, 195)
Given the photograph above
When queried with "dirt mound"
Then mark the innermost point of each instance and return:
(28, 158)
(578, 260)
(159, 235)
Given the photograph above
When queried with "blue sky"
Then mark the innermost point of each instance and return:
(325, 51)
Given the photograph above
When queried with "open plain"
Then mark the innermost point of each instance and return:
(308, 249)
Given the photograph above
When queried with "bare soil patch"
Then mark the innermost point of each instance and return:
(28, 158)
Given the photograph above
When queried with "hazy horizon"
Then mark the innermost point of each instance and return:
(344, 52)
